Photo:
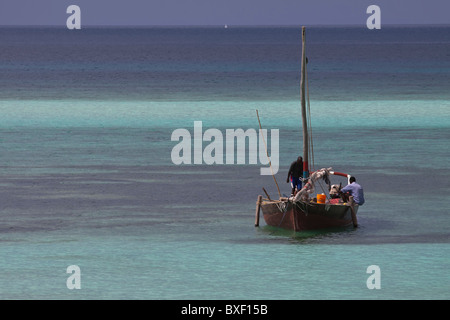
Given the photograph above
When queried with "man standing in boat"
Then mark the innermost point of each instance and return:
(355, 190)
(294, 175)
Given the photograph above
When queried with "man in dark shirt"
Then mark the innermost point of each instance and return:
(295, 173)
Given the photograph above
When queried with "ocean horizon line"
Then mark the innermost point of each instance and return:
(149, 26)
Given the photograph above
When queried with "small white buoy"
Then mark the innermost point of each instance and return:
(226, 27)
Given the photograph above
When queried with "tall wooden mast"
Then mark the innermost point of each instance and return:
(304, 116)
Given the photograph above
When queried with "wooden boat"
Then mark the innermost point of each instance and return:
(303, 211)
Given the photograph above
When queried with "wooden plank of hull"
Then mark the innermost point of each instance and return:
(304, 216)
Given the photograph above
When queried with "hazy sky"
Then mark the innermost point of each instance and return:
(219, 12)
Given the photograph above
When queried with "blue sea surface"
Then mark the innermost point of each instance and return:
(87, 178)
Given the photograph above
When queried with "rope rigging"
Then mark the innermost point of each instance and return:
(310, 144)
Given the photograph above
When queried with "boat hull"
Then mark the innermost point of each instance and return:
(302, 216)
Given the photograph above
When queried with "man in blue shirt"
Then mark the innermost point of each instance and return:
(355, 190)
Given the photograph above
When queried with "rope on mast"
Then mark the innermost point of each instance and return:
(267, 153)
(310, 145)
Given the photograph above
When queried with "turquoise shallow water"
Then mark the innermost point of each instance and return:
(86, 176)
(137, 268)
(182, 114)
